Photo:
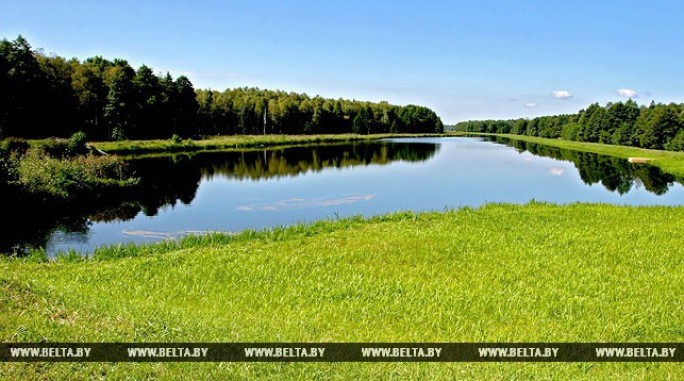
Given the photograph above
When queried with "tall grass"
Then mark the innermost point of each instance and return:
(511, 273)
(59, 168)
(40, 173)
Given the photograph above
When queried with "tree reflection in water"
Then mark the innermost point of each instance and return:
(615, 174)
(168, 180)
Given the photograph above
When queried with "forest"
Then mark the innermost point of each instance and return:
(51, 96)
(657, 126)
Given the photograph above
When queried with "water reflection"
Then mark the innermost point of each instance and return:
(169, 180)
(229, 191)
(615, 174)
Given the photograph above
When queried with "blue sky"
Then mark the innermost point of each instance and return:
(466, 60)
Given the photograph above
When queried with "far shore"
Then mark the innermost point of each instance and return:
(128, 147)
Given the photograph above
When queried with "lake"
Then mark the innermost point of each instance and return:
(232, 191)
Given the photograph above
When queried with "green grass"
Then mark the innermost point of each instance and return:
(59, 170)
(512, 273)
(668, 161)
(70, 177)
(233, 142)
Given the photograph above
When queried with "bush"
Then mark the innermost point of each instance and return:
(40, 173)
(119, 134)
(53, 147)
(8, 171)
(176, 139)
(77, 143)
(9, 145)
(62, 148)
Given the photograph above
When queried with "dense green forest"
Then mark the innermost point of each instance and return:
(47, 95)
(255, 111)
(657, 126)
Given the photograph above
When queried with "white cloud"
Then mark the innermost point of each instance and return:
(627, 93)
(556, 171)
(561, 94)
(530, 104)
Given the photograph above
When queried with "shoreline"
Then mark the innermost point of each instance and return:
(237, 142)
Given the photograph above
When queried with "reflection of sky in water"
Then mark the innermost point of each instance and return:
(463, 172)
(301, 203)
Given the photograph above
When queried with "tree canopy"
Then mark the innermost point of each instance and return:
(257, 111)
(657, 126)
(43, 96)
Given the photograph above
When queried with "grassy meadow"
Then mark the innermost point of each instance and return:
(511, 273)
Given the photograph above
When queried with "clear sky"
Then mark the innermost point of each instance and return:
(466, 60)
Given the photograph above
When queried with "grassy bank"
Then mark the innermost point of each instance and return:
(232, 142)
(668, 161)
(537, 272)
(59, 170)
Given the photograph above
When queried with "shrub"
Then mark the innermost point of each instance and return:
(8, 171)
(61, 148)
(119, 134)
(40, 173)
(53, 147)
(9, 145)
(77, 143)
(176, 139)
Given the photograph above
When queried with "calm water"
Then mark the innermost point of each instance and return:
(233, 191)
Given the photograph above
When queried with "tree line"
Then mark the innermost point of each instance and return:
(258, 111)
(657, 126)
(48, 95)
